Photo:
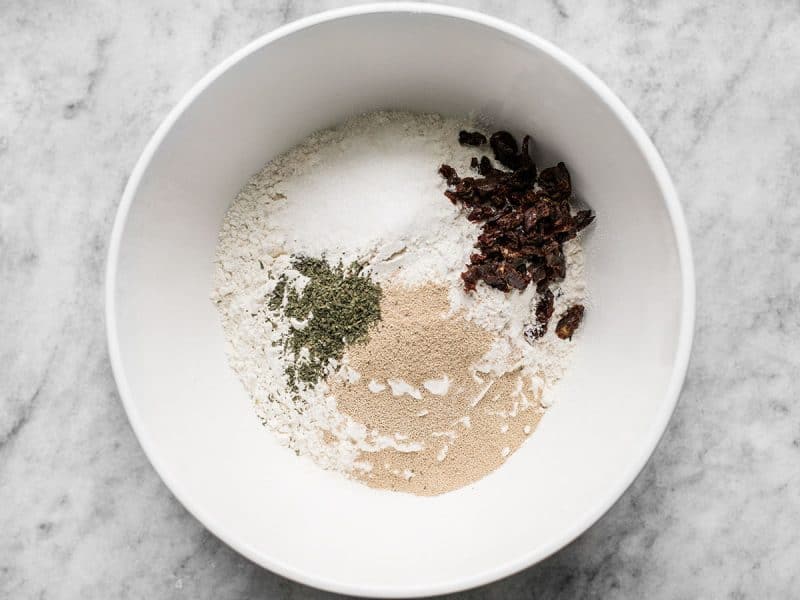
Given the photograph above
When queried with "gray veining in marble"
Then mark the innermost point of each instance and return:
(715, 514)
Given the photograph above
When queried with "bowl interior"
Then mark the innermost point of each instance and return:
(196, 422)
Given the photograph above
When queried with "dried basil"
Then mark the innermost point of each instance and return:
(336, 307)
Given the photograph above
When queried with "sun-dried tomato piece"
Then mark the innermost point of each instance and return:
(524, 224)
(542, 286)
(544, 310)
(449, 173)
(545, 307)
(471, 138)
(494, 276)
(538, 273)
(476, 258)
(505, 149)
(525, 153)
(486, 188)
(569, 322)
(470, 278)
(534, 214)
(556, 182)
(556, 264)
(485, 167)
(583, 219)
(516, 279)
(465, 185)
(510, 220)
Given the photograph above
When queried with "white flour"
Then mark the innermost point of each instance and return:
(368, 190)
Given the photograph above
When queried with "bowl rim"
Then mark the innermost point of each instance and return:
(640, 456)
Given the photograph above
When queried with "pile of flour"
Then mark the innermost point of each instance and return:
(367, 190)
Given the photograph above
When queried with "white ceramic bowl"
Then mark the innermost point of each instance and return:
(192, 416)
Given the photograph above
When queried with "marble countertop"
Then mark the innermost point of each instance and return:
(716, 512)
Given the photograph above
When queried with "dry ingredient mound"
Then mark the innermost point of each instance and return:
(420, 381)
(398, 410)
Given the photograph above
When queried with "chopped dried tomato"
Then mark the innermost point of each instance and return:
(526, 218)
(569, 322)
(471, 138)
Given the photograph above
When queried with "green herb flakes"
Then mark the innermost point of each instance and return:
(337, 307)
(276, 298)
